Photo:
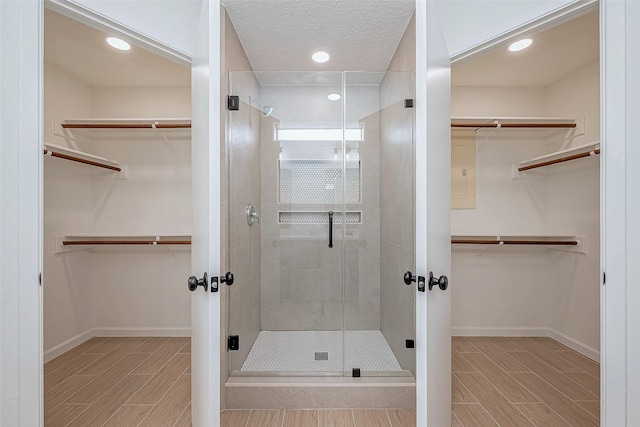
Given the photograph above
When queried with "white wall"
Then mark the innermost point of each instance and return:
(143, 289)
(467, 24)
(573, 201)
(123, 290)
(171, 23)
(493, 289)
(529, 290)
(67, 284)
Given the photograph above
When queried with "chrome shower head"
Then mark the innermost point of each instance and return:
(266, 110)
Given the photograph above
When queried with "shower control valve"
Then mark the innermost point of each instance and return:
(410, 278)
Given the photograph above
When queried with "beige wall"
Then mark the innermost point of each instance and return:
(397, 217)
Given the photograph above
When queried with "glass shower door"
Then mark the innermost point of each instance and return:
(285, 152)
(379, 307)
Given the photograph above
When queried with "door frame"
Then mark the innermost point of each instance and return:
(614, 171)
(614, 372)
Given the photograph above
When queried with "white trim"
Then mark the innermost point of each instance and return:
(141, 332)
(76, 340)
(614, 381)
(86, 16)
(590, 352)
(479, 331)
(549, 20)
(507, 331)
(67, 345)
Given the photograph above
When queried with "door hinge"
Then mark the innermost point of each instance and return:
(40, 278)
(233, 102)
(233, 342)
(604, 278)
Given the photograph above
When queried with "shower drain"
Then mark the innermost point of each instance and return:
(322, 355)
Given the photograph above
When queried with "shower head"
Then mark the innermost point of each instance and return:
(266, 110)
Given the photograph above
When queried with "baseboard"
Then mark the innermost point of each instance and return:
(142, 332)
(75, 341)
(499, 332)
(67, 345)
(576, 345)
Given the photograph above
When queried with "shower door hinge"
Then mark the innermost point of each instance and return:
(233, 102)
(408, 103)
(355, 372)
(409, 344)
(233, 342)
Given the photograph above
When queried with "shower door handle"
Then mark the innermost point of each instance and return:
(330, 229)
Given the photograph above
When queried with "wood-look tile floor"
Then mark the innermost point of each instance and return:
(495, 382)
(120, 382)
(522, 382)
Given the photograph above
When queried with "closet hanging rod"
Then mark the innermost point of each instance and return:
(81, 160)
(513, 125)
(560, 160)
(125, 242)
(514, 242)
(126, 125)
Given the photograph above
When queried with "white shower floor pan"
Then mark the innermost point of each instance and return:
(295, 351)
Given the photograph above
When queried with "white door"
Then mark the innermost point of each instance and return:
(205, 247)
(433, 229)
(20, 218)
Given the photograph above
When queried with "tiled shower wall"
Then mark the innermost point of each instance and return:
(244, 241)
(302, 279)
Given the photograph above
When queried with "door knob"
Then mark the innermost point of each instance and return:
(194, 282)
(227, 278)
(442, 282)
(410, 278)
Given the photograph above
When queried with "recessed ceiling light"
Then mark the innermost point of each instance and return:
(333, 96)
(118, 43)
(320, 57)
(520, 45)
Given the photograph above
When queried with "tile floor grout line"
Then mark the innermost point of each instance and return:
(386, 412)
(502, 394)
(145, 416)
(561, 392)
(151, 377)
(181, 413)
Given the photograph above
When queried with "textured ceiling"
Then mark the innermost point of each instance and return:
(82, 52)
(360, 35)
(554, 54)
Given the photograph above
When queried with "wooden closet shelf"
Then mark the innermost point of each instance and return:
(514, 242)
(559, 242)
(148, 123)
(125, 242)
(513, 122)
(574, 153)
(82, 241)
(80, 157)
(127, 126)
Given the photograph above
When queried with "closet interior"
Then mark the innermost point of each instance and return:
(525, 214)
(117, 215)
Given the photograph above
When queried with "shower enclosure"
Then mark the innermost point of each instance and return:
(320, 167)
